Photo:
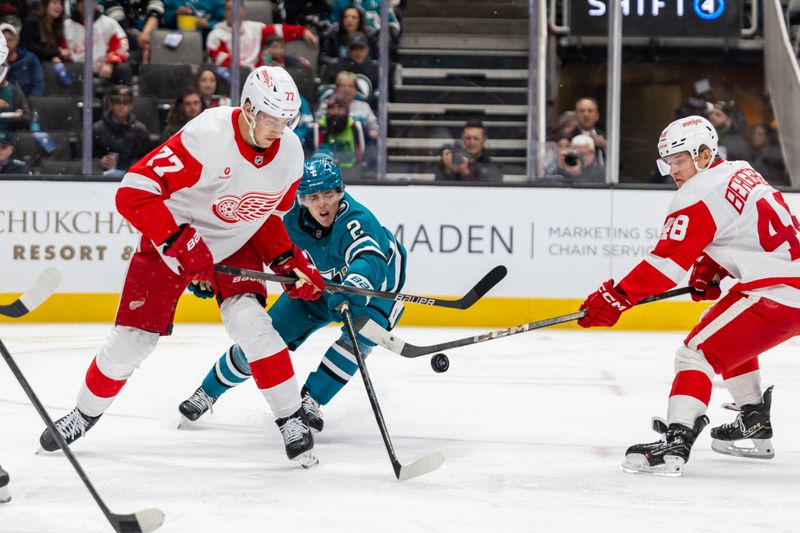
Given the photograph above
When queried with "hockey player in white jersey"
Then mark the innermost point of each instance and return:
(214, 193)
(725, 220)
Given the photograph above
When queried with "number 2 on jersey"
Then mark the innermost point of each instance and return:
(161, 169)
(772, 232)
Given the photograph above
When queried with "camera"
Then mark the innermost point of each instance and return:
(459, 154)
(572, 158)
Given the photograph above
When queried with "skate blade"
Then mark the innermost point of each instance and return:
(637, 464)
(761, 449)
(307, 459)
(185, 423)
(5, 496)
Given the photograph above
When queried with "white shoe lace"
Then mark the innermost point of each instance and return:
(293, 429)
(71, 425)
(202, 401)
(311, 406)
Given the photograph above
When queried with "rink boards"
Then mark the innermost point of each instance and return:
(558, 244)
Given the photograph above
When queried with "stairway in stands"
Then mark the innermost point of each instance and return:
(461, 59)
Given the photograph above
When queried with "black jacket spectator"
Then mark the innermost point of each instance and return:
(43, 32)
(357, 61)
(130, 140)
(466, 159)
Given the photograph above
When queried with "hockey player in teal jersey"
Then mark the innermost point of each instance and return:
(348, 245)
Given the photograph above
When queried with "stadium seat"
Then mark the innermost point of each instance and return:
(27, 145)
(260, 11)
(57, 113)
(303, 49)
(52, 87)
(188, 52)
(164, 81)
(145, 109)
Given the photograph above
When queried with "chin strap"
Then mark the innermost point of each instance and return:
(251, 124)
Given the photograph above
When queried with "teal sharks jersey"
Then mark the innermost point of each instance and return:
(355, 245)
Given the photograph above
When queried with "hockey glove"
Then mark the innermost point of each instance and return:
(193, 255)
(309, 284)
(201, 289)
(355, 302)
(604, 306)
(705, 272)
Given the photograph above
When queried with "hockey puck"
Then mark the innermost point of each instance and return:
(440, 363)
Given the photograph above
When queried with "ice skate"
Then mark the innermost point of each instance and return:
(298, 439)
(752, 422)
(312, 411)
(195, 406)
(5, 496)
(71, 426)
(667, 456)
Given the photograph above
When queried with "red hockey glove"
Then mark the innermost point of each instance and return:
(193, 255)
(309, 285)
(604, 306)
(704, 272)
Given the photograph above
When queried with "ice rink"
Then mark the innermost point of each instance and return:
(533, 428)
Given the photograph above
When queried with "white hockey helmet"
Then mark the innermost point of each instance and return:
(3, 57)
(687, 134)
(272, 90)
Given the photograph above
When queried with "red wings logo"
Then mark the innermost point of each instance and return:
(252, 206)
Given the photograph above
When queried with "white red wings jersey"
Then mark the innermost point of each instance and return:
(207, 176)
(730, 213)
(110, 41)
(252, 36)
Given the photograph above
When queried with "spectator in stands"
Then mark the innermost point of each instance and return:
(341, 136)
(556, 147)
(24, 67)
(43, 32)
(766, 157)
(274, 54)
(567, 122)
(187, 106)
(466, 159)
(9, 165)
(207, 85)
(334, 42)
(359, 109)
(305, 127)
(138, 18)
(730, 126)
(208, 13)
(592, 169)
(119, 139)
(110, 45)
(587, 114)
(357, 61)
(253, 36)
(372, 14)
(14, 111)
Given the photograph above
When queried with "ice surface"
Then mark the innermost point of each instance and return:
(533, 428)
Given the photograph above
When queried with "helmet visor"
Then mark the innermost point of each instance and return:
(663, 166)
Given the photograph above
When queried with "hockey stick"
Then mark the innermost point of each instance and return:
(403, 472)
(378, 335)
(492, 278)
(44, 286)
(141, 522)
